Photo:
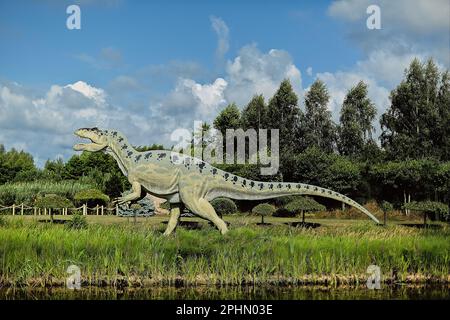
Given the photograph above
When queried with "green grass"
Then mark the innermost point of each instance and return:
(26, 192)
(116, 251)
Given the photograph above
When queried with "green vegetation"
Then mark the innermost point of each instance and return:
(53, 201)
(78, 221)
(33, 253)
(263, 209)
(438, 210)
(224, 206)
(91, 197)
(302, 204)
(27, 192)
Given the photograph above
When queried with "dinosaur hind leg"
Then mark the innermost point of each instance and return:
(205, 210)
(175, 213)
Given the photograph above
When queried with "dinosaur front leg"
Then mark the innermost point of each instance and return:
(175, 213)
(135, 194)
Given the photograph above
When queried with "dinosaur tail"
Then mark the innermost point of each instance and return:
(242, 189)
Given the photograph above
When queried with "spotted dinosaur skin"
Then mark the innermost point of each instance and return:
(190, 181)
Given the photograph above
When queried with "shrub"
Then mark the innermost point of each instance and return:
(3, 221)
(386, 206)
(282, 201)
(78, 221)
(438, 209)
(302, 204)
(224, 206)
(7, 198)
(91, 197)
(263, 209)
(53, 201)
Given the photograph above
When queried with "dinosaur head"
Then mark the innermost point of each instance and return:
(99, 139)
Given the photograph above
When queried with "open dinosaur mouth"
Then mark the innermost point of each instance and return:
(84, 146)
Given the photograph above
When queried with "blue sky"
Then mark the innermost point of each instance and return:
(149, 67)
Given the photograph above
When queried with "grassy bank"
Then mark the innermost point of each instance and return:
(128, 254)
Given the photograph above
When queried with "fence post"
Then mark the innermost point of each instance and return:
(102, 212)
(84, 209)
(96, 210)
(21, 209)
(117, 209)
(34, 211)
(14, 209)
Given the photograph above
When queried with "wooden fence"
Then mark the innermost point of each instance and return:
(26, 210)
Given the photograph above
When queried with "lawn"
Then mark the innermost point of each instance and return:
(119, 252)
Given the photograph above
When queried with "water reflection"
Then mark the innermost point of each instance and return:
(401, 292)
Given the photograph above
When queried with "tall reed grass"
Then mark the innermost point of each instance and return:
(38, 254)
(26, 192)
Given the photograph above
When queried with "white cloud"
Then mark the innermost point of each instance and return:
(253, 72)
(222, 31)
(98, 95)
(418, 27)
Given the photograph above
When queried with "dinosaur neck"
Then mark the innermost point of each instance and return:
(120, 151)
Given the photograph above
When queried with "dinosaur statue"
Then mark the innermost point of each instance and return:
(182, 179)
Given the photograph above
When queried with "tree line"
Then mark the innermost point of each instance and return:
(409, 161)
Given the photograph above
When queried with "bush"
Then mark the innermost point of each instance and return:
(263, 209)
(3, 221)
(78, 221)
(438, 210)
(7, 198)
(53, 201)
(304, 204)
(91, 197)
(282, 201)
(386, 206)
(224, 206)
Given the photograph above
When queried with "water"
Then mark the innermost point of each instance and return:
(397, 292)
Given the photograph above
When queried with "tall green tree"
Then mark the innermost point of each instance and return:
(441, 131)
(357, 114)
(228, 118)
(409, 124)
(254, 114)
(284, 114)
(317, 126)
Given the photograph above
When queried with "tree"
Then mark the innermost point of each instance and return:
(91, 197)
(357, 114)
(224, 206)
(283, 114)
(254, 114)
(441, 131)
(228, 118)
(386, 207)
(263, 209)
(438, 209)
(302, 204)
(56, 170)
(317, 127)
(53, 201)
(16, 165)
(409, 124)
